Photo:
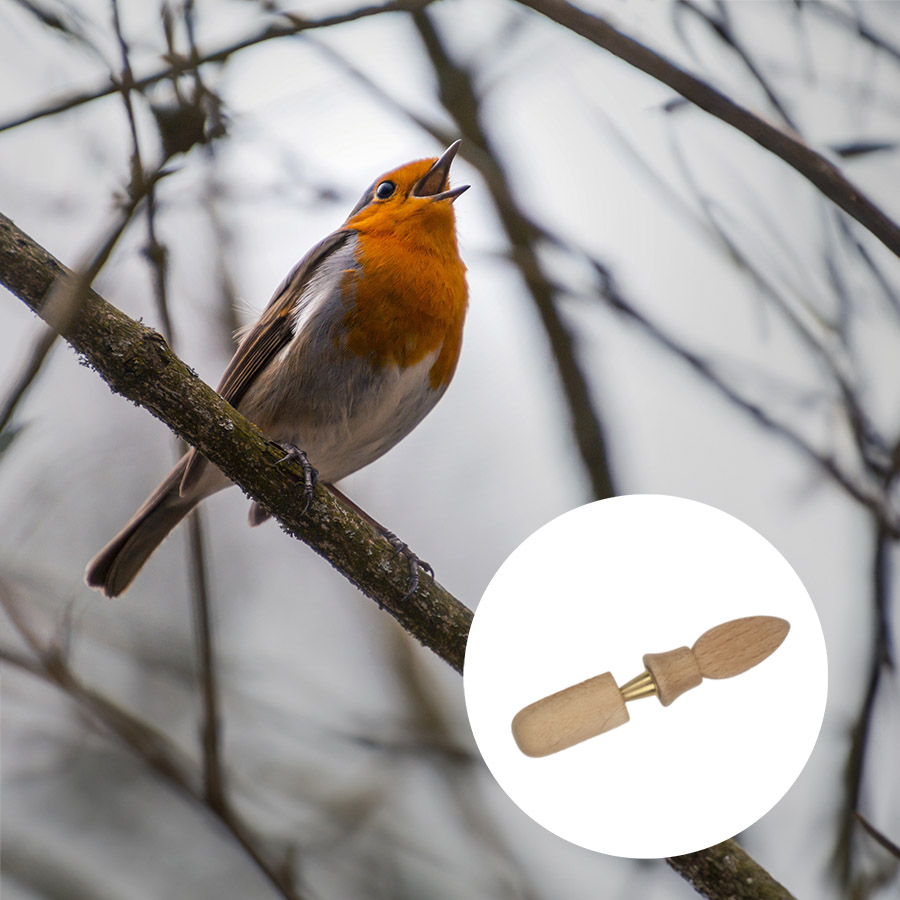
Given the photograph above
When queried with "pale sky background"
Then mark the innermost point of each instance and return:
(319, 728)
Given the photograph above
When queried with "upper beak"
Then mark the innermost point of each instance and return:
(430, 184)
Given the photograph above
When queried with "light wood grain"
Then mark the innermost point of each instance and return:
(595, 706)
(730, 649)
(570, 716)
(674, 673)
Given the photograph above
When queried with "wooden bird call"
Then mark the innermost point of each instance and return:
(585, 710)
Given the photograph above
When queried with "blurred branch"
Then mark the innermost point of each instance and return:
(210, 730)
(64, 303)
(27, 376)
(210, 718)
(136, 362)
(157, 257)
(154, 252)
(459, 97)
(875, 502)
(435, 735)
(49, 663)
(882, 661)
(726, 870)
(874, 452)
(225, 313)
(811, 165)
(852, 21)
(878, 837)
(870, 444)
(64, 20)
(720, 25)
(293, 24)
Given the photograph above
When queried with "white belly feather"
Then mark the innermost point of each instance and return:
(381, 418)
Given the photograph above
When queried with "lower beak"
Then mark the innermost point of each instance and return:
(451, 194)
(430, 184)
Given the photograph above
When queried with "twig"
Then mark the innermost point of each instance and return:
(880, 838)
(210, 731)
(210, 726)
(27, 376)
(882, 661)
(812, 165)
(869, 444)
(875, 502)
(720, 24)
(156, 256)
(137, 363)
(154, 251)
(292, 25)
(227, 322)
(855, 24)
(722, 27)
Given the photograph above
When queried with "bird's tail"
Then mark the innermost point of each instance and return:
(116, 565)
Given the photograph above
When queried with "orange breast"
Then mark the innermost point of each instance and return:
(408, 297)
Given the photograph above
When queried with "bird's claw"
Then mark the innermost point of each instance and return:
(416, 565)
(310, 475)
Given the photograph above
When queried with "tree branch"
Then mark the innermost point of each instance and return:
(727, 870)
(136, 362)
(827, 177)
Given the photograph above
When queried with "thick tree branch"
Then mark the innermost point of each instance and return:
(726, 870)
(137, 363)
(827, 177)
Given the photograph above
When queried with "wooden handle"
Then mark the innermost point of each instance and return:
(570, 716)
(585, 710)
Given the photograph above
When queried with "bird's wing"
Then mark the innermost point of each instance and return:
(266, 338)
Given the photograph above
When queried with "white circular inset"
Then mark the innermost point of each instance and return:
(592, 592)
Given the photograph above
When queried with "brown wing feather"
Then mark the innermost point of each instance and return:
(266, 338)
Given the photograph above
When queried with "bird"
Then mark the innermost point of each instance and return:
(355, 348)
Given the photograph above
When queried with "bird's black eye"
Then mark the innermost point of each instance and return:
(385, 190)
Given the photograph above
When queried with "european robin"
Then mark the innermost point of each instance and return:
(355, 348)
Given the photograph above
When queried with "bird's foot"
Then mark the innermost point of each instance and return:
(310, 475)
(415, 564)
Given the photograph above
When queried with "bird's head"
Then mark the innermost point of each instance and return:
(418, 192)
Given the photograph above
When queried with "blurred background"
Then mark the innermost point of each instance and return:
(657, 305)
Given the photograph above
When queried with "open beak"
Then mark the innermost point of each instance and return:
(430, 184)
